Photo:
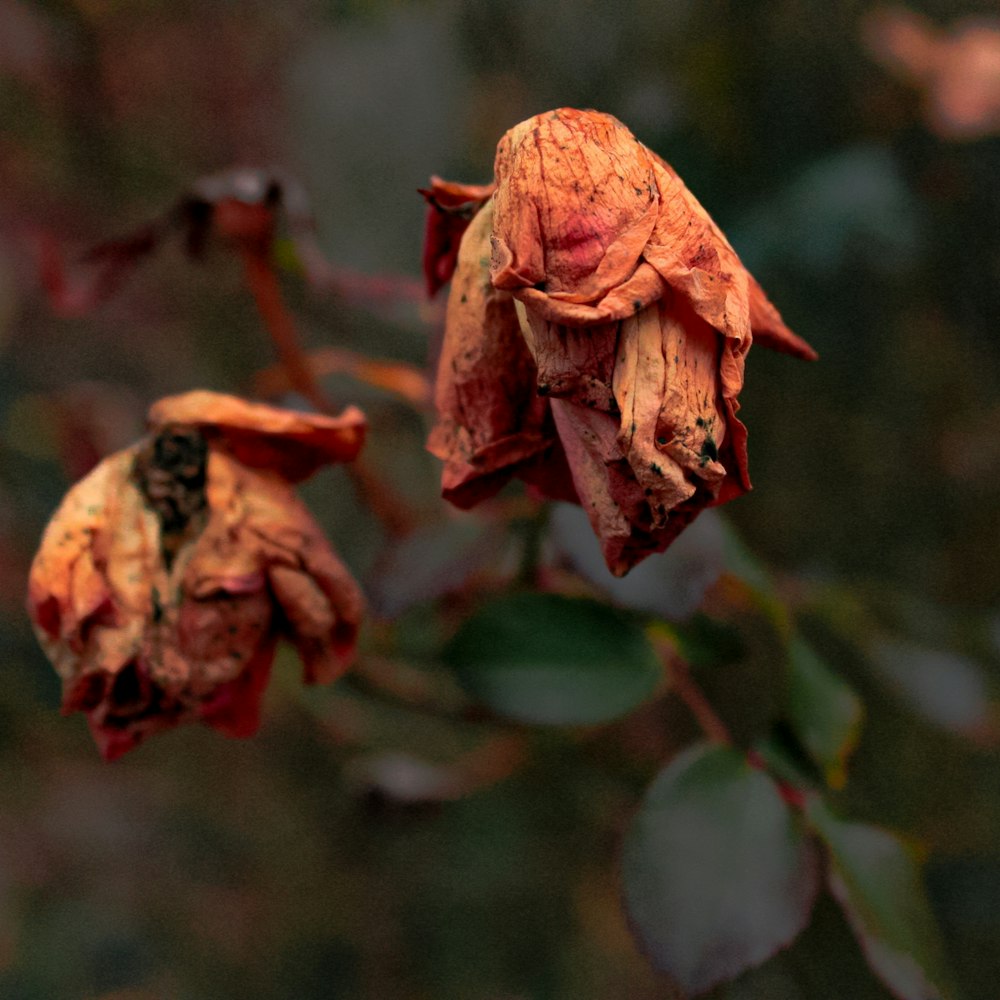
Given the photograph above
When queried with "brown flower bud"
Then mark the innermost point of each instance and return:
(167, 575)
(595, 339)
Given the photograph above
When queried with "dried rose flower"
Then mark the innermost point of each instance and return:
(167, 575)
(596, 333)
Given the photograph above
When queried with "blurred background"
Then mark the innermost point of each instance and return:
(852, 156)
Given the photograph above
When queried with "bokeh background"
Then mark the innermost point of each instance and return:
(852, 156)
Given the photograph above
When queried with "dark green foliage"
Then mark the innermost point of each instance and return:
(543, 658)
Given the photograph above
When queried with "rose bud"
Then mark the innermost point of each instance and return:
(595, 339)
(167, 575)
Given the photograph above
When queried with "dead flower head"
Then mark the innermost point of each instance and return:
(596, 333)
(167, 575)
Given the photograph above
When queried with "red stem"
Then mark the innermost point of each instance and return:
(683, 685)
(391, 509)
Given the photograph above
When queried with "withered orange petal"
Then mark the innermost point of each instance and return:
(455, 194)
(575, 204)
(234, 707)
(65, 586)
(769, 328)
(321, 603)
(292, 443)
(590, 443)
(491, 420)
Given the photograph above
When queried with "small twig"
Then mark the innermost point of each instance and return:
(490, 762)
(404, 381)
(263, 284)
(262, 279)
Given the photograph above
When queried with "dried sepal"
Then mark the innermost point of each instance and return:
(450, 208)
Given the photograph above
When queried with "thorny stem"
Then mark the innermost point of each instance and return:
(262, 279)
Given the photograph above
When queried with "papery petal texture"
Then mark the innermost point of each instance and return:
(167, 575)
(493, 423)
(635, 317)
(290, 443)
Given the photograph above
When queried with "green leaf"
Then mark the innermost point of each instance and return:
(545, 658)
(718, 871)
(824, 712)
(745, 566)
(823, 963)
(877, 883)
(948, 689)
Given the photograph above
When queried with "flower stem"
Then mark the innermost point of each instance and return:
(385, 502)
(266, 291)
(686, 688)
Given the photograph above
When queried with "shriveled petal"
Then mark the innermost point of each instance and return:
(490, 419)
(769, 329)
(701, 232)
(450, 208)
(262, 527)
(576, 202)
(572, 362)
(290, 443)
(690, 425)
(590, 441)
(147, 636)
(609, 491)
(129, 708)
(323, 620)
(693, 257)
(641, 379)
(65, 587)
(234, 707)
(89, 583)
(591, 225)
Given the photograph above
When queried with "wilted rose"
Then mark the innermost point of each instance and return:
(596, 333)
(167, 575)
